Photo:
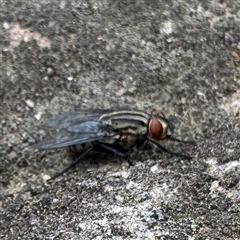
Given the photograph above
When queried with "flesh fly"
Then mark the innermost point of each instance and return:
(116, 131)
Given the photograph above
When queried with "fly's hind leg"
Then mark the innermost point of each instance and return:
(73, 164)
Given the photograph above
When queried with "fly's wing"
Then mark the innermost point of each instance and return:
(64, 120)
(76, 128)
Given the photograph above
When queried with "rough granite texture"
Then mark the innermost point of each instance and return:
(182, 57)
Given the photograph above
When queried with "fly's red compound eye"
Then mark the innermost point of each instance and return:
(155, 129)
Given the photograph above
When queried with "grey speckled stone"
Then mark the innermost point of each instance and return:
(180, 57)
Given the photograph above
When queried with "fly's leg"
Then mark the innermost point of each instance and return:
(73, 164)
(123, 155)
(181, 141)
(140, 143)
(167, 151)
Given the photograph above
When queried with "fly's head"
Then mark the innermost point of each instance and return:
(159, 127)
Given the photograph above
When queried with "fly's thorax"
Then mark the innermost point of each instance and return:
(127, 122)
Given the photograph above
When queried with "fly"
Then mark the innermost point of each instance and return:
(116, 131)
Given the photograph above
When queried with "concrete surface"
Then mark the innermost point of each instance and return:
(178, 56)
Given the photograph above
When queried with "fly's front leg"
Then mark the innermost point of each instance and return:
(167, 151)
